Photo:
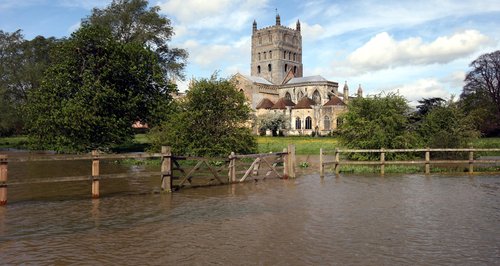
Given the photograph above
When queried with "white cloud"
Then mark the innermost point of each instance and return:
(202, 14)
(216, 56)
(310, 33)
(383, 51)
(423, 88)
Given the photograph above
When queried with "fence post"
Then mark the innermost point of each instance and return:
(427, 161)
(291, 160)
(3, 179)
(95, 174)
(471, 162)
(166, 168)
(321, 166)
(382, 161)
(232, 168)
(337, 161)
(285, 164)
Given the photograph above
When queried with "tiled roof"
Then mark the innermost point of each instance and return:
(282, 103)
(334, 101)
(307, 79)
(265, 104)
(304, 103)
(258, 80)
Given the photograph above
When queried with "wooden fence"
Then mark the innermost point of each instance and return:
(234, 169)
(426, 161)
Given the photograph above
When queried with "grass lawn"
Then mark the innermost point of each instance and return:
(18, 142)
(303, 145)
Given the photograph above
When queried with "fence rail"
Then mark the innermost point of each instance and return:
(427, 162)
(279, 164)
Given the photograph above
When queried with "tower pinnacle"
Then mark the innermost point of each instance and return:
(278, 19)
(298, 25)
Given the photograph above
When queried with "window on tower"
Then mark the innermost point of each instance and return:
(294, 57)
(270, 54)
(269, 67)
(286, 67)
(284, 55)
(258, 69)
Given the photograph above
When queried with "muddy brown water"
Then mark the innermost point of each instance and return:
(344, 220)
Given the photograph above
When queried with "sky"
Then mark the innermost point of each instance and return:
(419, 49)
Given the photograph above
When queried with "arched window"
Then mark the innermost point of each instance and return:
(269, 67)
(300, 95)
(294, 57)
(270, 54)
(294, 69)
(339, 122)
(308, 122)
(326, 122)
(289, 55)
(288, 96)
(317, 97)
(258, 69)
(297, 123)
(284, 55)
(286, 67)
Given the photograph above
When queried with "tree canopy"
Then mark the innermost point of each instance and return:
(377, 122)
(446, 126)
(93, 92)
(132, 21)
(481, 93)
(22, 66)
(210, 121)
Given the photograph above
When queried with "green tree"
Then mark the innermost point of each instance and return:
(22, 65)
(274, 122)
(378, 122)
(481, 93)
(132, 21)
(95, 90)
(446, 126)
(212, 120)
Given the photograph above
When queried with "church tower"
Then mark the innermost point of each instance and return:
(276, 50)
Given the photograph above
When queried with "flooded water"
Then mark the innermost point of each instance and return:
(345, 220)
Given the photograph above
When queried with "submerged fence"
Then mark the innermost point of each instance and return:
(426, 161)
(175, 171)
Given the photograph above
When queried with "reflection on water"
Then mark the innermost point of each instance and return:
(410, 219)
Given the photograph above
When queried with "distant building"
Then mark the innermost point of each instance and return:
(276, 83)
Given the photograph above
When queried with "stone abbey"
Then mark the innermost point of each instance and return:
(276, 83)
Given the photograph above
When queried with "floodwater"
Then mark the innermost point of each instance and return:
(344, 220)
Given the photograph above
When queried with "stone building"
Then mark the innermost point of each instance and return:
(277, 85)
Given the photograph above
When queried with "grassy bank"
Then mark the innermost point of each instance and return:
(303, 145)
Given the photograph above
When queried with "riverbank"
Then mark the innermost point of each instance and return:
(303, 145)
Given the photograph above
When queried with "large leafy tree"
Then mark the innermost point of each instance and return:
(481, 93)
(446, 126)
(210, 121)
(94, 91)
(378, 122)
(22, 66)
(132, 21)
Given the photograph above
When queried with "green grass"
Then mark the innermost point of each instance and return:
(303, 145)
(17, 142)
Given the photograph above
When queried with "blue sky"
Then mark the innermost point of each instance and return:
(418, 48)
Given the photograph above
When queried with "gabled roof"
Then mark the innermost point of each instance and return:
(265, 104)
(260, 80)
(334, 101)
(307, 79)
(282, 103)
(304, 103)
